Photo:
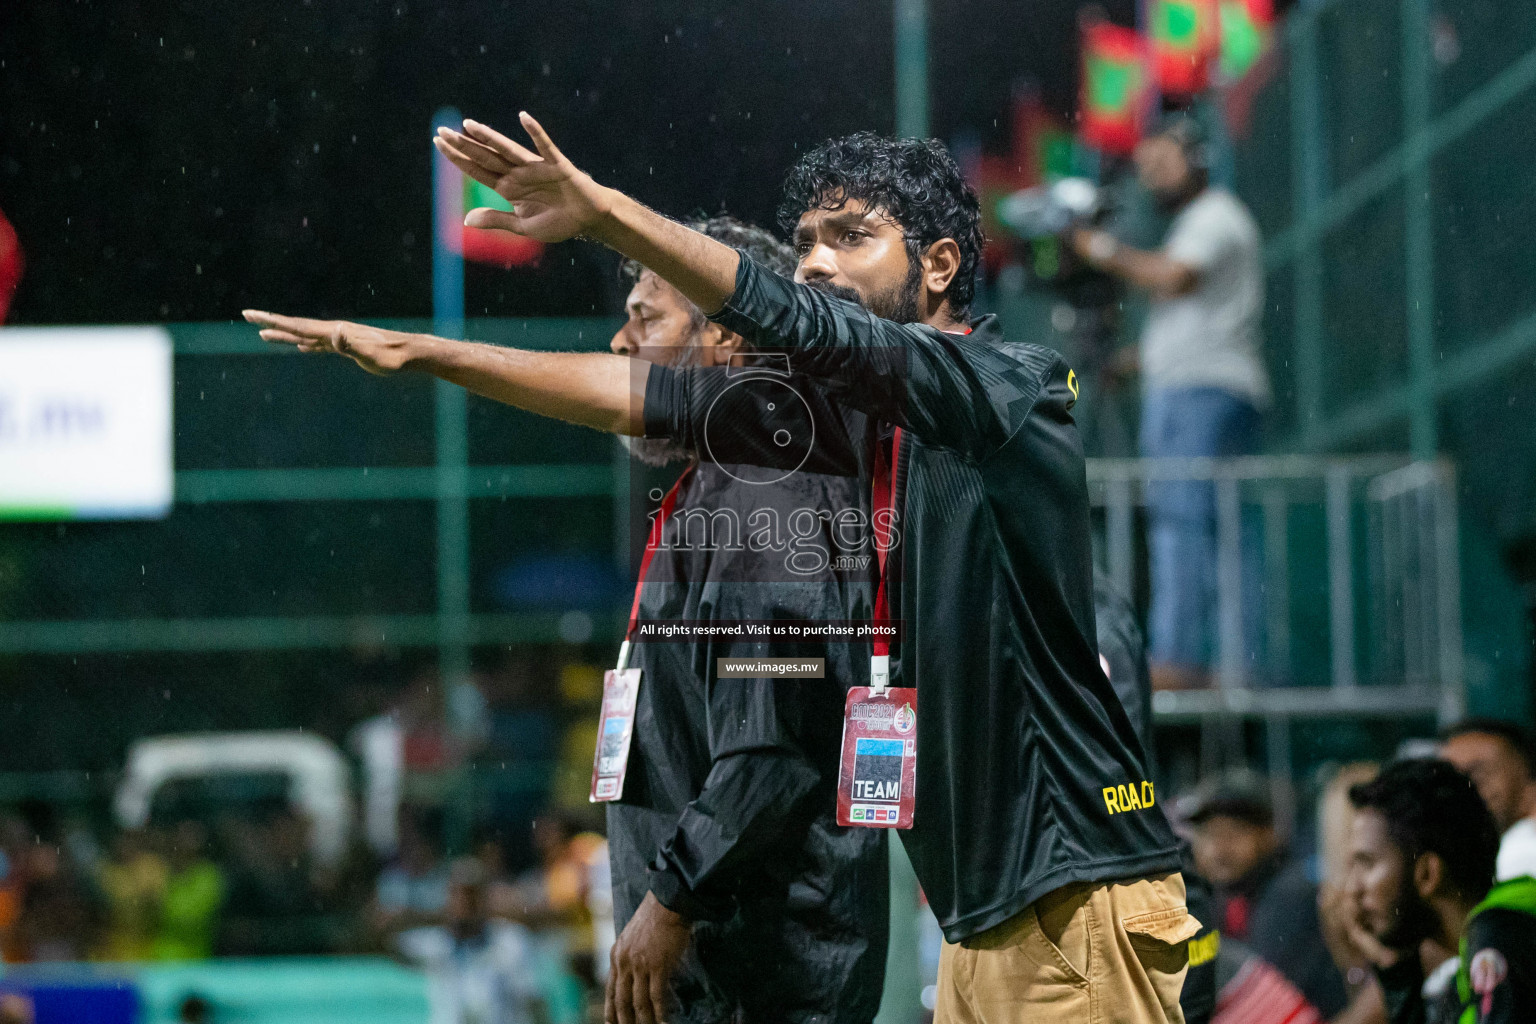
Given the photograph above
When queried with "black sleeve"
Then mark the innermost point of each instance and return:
(756, 414)
(951, 391)
(1401, 988)
(754, 799)
(1122, 648)
(1501, 966)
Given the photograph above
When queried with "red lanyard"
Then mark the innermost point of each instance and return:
(885, 498)
(651, 545)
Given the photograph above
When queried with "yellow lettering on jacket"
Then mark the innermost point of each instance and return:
(1203, 948)
(1137, 796)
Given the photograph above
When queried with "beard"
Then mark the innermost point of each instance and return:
(1172, 200)
(1413, 920)
(898, 303)
(660, 451)
(655, 451)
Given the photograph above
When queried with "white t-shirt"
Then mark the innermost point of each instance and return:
(1517, 851)
(1210, 337)
(489, 982)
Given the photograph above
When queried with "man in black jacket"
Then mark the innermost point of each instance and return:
(726, 833)
(1123, 656)
(1037, 837)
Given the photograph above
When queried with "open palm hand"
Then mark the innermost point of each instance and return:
(552, 200)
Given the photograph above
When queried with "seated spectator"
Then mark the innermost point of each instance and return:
(1263, 897)
(194, 897)
(1499, 759)
(554, 895)
(413, 890)
(58, 919)
(479, 971)
(278, 894)
(1335, 818)
(132, 883)
(1422, 852)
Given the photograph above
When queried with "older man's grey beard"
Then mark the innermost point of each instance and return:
(661, 451)
(655, 451)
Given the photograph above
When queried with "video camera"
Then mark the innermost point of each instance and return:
(1041, 218)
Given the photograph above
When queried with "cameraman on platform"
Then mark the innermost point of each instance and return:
(1204, 384)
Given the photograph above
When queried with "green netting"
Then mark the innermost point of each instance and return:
(1360, 55)
(1364, 317)
(1485, 230)
(1336, 186)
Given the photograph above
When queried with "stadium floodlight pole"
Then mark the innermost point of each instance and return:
(910, 19)
(451, 429)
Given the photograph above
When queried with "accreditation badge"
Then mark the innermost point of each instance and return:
(877, 786)
(614, 731)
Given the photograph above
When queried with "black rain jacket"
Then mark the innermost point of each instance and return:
(1125, 652)
(728, 813)
(1030, 775)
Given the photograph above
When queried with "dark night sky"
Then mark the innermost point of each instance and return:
(178, 160)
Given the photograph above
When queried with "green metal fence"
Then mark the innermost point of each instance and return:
(1388, 163)
(1388, 160)
(318, 511)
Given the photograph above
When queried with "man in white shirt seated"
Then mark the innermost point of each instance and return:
(479, 970)
(1499, 758)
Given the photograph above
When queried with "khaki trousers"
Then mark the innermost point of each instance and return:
(1093, 953)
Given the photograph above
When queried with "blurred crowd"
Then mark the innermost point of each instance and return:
(497, 944)
(489, 875)
(515, 923)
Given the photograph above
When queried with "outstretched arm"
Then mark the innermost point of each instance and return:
(553, 200)
(960, 394)
(594, 389)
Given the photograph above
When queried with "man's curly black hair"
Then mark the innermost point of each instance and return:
(1430, 807)
(915, 182)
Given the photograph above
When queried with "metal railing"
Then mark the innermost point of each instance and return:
(1386, 569)
(1359, 577)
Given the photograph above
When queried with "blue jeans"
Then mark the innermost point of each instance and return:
(1189, 423)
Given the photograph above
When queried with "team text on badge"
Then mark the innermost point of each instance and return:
(877, 784)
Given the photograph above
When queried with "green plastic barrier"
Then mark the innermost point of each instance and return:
(299, 990)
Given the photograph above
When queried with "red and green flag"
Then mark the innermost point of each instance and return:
(456, 196)
(1246, 26)
(1112, 108)
(11, 263)
(1185, 37)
